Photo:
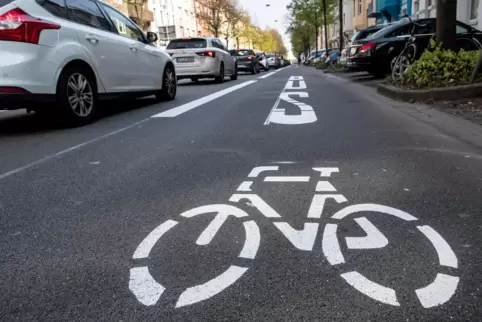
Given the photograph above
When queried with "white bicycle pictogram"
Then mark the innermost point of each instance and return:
(148, 291)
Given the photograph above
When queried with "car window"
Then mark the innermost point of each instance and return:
(187, 43)
(5, 2)
(88, 13)
(362, 34)
(461, 29)
(220, 45)
(252, 53)
(55, 7)
(400, 31)
(241, 52)
(123, 25)
(428, 27)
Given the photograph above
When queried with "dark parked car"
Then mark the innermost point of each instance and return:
(273, 61)
(376, 53)
(247, 60)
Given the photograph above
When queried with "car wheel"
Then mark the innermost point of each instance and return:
(220, 78)
(169, 85)
(253, 69)
(77, 95)
(235, 75)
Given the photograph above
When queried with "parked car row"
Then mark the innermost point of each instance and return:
(62, 57)
(376, 49)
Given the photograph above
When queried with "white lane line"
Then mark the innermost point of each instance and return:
(146, 245)
(253, 238)
(144, 286)
(446, 255)
(207, 290)
(371, 289)
(266, 75)
(439, 291)
(176, 111)
(73, 148)
(275, 106)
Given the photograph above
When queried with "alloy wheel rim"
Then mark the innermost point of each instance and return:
(80, 95)
(170, 82)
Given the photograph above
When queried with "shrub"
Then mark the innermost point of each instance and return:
(320, 65)
(335, 67)
(438, 68)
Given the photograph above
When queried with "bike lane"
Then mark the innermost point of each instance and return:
(117, 232)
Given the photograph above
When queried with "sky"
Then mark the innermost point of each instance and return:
(265, 16)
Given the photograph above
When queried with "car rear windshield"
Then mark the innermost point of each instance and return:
(187, 43)
(362, 34)
(240, 52)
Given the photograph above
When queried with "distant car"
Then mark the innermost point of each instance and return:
(247, 60)
(377, 53)
(273, 61)
(202, 57)
(70, 54)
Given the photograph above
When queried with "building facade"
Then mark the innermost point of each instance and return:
(137, 10)
(363, 13)
(468, 11)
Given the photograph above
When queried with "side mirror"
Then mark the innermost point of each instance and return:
(151, 37)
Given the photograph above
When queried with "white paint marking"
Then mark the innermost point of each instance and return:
(285, 162)
(278, 116)
(274, 108)
(287, 179)
(371, 289)
(301, 239)
(94, 162)
(318, 204)
(258, 170)
(296, 78)
(73, 148)
(207, 290)
(331, 246)
(215, 208)
(326, 172)
(446, 255)
(439, 291)
(144, 286)
(257, 202)
(148, 243)
(324, 186)
(291, 84)
(373, 240)
(245, 186)
(201, 101)
(253, 239)
(373, 208)
(212, 229)
(266, 75)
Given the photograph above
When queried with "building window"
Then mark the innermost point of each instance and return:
(429, 3)
(359, 7)
(404, 11)
(474, 9)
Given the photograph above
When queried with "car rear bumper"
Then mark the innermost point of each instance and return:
(208, 69)
(245, 66)
(25, 66)
(24, 100)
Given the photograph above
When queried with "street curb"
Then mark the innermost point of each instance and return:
(445, 123)
(436, 94)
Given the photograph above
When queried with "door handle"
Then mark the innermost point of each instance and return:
(92, 39)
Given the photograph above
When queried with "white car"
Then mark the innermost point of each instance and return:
(72, 53)
(263, 60)
(202, 57)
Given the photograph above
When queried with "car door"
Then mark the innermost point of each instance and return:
(134, 66)
(94, 33)
(226, 57)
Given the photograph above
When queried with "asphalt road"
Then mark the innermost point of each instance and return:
(354, 211)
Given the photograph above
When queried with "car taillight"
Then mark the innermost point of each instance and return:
(12, 90)
(207, 54)
(249, 57)
(367, 46)
(16, 25)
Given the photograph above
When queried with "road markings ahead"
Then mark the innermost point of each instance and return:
(176, 111)
(148, 291)
(278, 115)
(272, 73)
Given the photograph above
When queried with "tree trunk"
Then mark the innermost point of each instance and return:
(317, 33)
(340, 19)
(325, 24)
(446, 17)
(237, 43)
(227, 42)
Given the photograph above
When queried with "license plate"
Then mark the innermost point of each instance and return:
(185, 59)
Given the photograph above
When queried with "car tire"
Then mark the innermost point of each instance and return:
(76, 95)
(235, 75)
(169, 85)
(220, 78)
(253, 69)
